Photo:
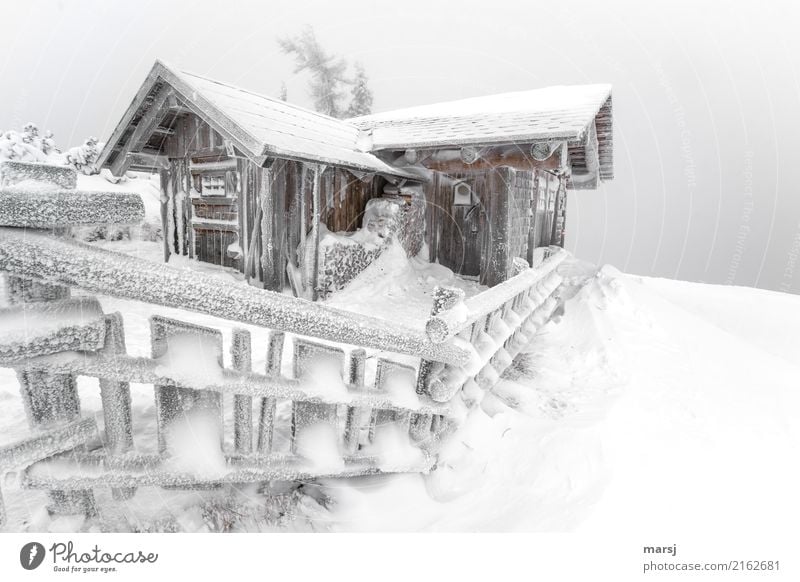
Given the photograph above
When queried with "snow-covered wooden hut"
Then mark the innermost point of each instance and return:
(253, 182)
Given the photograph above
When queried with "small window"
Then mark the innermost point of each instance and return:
(462, 194)
(212, 185)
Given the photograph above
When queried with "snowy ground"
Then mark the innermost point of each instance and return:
(644, 401)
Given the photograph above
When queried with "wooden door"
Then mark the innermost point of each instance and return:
(462, 240)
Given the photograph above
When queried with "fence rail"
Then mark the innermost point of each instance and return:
(63, 262)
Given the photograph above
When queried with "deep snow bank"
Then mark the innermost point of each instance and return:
(627, 412)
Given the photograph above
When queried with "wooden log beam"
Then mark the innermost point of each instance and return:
(164, 130)
(149, 121)
(589, 179)
(20, 207)
(124, 368)
(14, 171)
(146, 471)
(148, 161)
(315, 212)
(518, 157)
(28, 329)
(445, 324)
(267, 208)
(46, 444)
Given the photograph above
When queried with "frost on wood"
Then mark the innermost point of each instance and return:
(70, 263)
(241, 356)
(194, 352)
(47, 444)
(36, 329)
(357, 417)
(315, 363)
(148, 371)
(450, 322)
(15, 172)
(266, 420)
(116, 395)
(20, 290)
(49, 397)
(45, 208)
(80, 472)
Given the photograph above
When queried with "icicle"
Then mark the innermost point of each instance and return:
(180, 198)
(170, 214)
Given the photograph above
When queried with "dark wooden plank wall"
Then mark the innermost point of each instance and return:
(345, 197)
(456, 235)
(477, 245)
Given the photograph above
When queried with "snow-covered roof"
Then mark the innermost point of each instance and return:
(262, 127)
(562, 112)
(259, 125)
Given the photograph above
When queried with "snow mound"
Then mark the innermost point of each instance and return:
(399, 286)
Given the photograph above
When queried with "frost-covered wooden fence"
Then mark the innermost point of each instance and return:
(346, 383)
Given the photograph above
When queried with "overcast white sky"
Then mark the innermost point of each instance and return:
(706, 98)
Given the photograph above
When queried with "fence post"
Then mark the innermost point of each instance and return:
(49, 398)
(352, 430)
(172, 401)
(53, 399)
(241, 355)
(305, 413)
(444, 298)
(266, 420)
(116, 399)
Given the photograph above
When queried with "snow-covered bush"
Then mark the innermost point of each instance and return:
(83, 157)
(29, 146)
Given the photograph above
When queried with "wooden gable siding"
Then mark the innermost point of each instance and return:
(194, 138)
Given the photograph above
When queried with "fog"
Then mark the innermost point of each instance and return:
(706, 98)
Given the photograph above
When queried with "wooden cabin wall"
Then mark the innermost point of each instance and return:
(455, 234)
(262, 207)
(204, 226)
(291, 185)
(560, 225)
(345, 197)
(513, 212)
(266, 218)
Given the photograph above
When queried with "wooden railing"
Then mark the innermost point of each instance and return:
(467, 344)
